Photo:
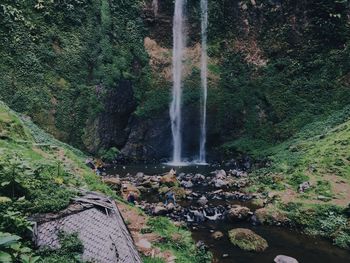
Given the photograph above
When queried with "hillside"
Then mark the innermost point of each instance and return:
(319, 154)
(39, 174)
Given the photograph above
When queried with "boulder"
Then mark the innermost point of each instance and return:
(237, 213)
(199, 177)
(127, 188)
(160, 210)
(170, 178)
(114, 182)
(202, 201)
(220, 174)
(219, 183)
(284, 259)
(187, 184)
(140, 175)
(217, 235)
(247, 240)
(271, 215)
(170, 207)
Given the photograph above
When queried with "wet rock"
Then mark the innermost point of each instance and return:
(217, 235)
(186, 184)
(139, 175)
(202, 201)
(201, 245)
(219, 183)
(247, 240)
(195, 216)
(199, 177)
(181, 176)
(284, 259)
(238, 213)
(220, 174)
(213, 214)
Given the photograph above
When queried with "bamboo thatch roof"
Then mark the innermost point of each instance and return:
(99, 225)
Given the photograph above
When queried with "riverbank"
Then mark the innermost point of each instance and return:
(217, 201)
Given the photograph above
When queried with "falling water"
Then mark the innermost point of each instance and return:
(155, 7)
(204, 81)
(178, 54)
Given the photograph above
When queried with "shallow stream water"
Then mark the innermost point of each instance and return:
(282, 241)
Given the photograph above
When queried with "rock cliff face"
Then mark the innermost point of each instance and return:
(262, 78)
(111, 129)
(151, 139)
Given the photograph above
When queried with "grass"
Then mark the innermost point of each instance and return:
(178, 241)
(319, 153)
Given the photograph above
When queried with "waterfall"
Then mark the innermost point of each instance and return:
(155, 7)
(204, 81)
(178, 54)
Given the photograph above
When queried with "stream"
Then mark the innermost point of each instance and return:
(281, 240)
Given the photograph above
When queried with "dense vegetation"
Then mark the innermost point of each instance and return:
(279, 82)
(39, 174)
(277, 65)
(283, 66)
(60, 58)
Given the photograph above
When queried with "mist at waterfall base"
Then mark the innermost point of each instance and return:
(175, 110)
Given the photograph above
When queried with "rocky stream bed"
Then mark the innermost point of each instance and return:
(232, 224)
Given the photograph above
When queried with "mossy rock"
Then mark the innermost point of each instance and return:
(247, 240)
(271, 215)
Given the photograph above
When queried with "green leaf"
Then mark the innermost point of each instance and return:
(21, 198)
(7, 239)
(5, 183)
(5, 257)
(4, 199)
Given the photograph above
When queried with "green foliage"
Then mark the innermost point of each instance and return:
(109, 155)
(70, 251)
(343, 239)
(184, 249)
(12, 250)
(325, 220)
(14, 221)
(152, 260)
(60, 57)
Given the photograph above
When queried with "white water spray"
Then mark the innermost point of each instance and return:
(204, 81)
(178, 54)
